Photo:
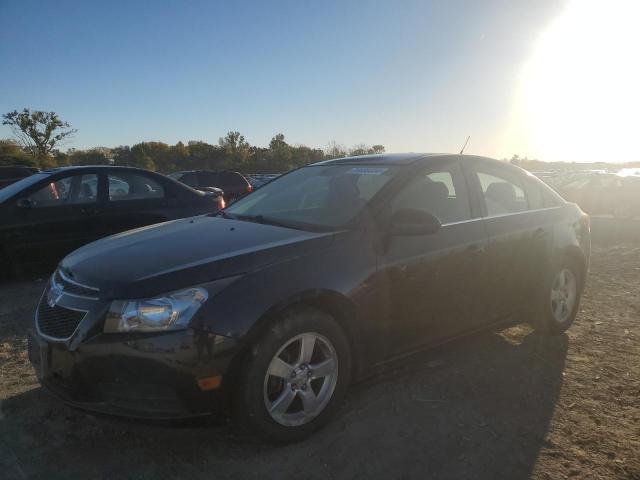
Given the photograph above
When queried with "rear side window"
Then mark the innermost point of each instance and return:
(501, 195)
(535, 195)
(540, 195)
(133, 186)
(441, 193)
(231, 180)
(208, 179)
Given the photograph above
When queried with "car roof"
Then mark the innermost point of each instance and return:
(94, 167)
(207, 171)
(404, 159)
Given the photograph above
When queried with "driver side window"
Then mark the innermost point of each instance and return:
(440, 192)
(73, 190)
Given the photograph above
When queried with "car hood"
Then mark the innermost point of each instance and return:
(168, 256)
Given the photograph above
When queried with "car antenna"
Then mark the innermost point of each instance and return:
(465, 144)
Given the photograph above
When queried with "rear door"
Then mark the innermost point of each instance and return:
(428, 283)
(135, 199)
(520, 231)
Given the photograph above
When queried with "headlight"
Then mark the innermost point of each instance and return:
(172, 312)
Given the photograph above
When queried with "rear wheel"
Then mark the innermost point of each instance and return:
(295, 376)
(560, 299)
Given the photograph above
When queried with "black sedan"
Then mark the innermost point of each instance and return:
(47, 215)
(274, 306)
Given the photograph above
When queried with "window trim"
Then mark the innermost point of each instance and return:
(503, 215)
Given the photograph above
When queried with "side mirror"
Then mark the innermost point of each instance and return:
(410, 221)
(25, 203)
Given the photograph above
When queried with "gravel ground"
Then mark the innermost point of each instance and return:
(509, 405)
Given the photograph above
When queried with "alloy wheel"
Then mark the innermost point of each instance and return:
(564, 293)
(300, 379)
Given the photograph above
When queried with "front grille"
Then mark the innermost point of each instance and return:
(57, 322)
(74, 288)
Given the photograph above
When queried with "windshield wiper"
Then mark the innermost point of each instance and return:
(269, 221)
(272, 221)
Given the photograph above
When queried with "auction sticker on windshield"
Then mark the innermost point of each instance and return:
(367, 171)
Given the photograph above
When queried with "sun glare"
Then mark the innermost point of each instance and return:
(579, 98)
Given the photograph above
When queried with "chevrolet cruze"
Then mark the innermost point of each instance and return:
(270, 309)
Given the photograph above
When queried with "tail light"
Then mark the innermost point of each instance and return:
(222, 203)
(249, 188)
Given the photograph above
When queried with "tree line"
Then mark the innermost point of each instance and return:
(38, 135)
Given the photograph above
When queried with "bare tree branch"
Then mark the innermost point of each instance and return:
(39, 132)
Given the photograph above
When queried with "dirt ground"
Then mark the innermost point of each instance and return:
(508, 405)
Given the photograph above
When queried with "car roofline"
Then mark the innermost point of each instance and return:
(402, 159)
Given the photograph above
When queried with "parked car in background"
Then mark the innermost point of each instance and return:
(233, 184)
(605, 193)
(51, 213)
(12, 173)
(272, 307)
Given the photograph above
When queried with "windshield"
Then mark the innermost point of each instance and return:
(10, 190)
(324, 196)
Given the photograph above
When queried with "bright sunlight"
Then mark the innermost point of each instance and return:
(579, 97)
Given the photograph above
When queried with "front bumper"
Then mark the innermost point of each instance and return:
(136, 375)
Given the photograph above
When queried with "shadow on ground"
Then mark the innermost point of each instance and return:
(479, 408)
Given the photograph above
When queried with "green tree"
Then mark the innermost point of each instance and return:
(204, 156)
(39, 132)
(12, 154)
(236, 150)
(93, 156)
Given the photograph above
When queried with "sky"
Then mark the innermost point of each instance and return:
(555, 80)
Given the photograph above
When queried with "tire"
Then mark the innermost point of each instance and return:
(295, 398)
(560, 298)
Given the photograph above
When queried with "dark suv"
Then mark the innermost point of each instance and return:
(272, 307)
(233, 184)
(13, 173)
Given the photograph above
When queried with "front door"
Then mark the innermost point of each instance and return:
(54, 219)
(427, 283)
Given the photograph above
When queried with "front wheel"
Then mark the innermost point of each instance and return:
(560, 300)
(294, 377)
